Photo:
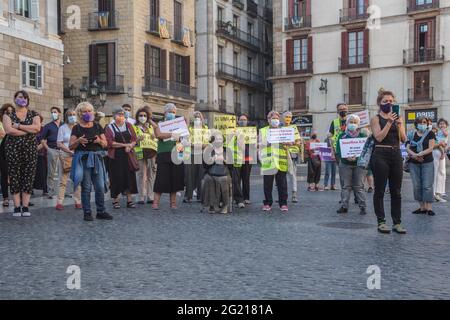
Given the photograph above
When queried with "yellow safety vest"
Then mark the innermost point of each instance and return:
(153, 141)
(188, 149)
(273, 157)
(238, 160)
(337, 131)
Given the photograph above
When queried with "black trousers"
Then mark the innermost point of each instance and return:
(281, 181)
(4, 171)
(241, 182)
(314, 171)
(387, 167)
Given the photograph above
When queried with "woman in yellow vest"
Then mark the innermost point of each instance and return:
(274, 164)
(146, 148)
(294, 153)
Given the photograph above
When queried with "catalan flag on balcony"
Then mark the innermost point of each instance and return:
(186, 37)
(163, 30)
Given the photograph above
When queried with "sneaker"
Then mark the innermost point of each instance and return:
(325, 188)
(17, 212)
(362, 211)
(25, 212)
(266, 208)
(430, 213)
(333, 188)
(284, 208)
(342, 210)
(294, 198)
(247, 202)
(399, 229)
(88, 217)
(59, 207)
(224, 210)
(211, 210)
(241, 205)
(383, 227)
(78, 206)
(104, 216)
(438, 198)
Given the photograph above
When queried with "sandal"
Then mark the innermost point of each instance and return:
(155, 206)
(131, 205)
(116, 205)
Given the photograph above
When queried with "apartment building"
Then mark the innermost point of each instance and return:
(140, 52)
(234, 54)
(31, 53)
(330, 51)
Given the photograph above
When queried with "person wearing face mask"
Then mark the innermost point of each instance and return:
(314, 164)
(7, 108)
(65, 160)
(420, 147)
(439, 152)
(386, 161)
(338, 125)
(274, 164)
(146, 148)
(169, 174)
(330, 166)
(121, 139)
(49, 141)
(21, 127)
(352, 175)
(193, 165)
(294, 153)
(128, 116)
(88, 169)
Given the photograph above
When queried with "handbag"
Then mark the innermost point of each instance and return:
(366, 154)
(67, 164)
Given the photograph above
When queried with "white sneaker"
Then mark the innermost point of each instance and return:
(224, 210)
(439, 199)
(241, 205)
(26, 213)
(247, 202)
(17, 214)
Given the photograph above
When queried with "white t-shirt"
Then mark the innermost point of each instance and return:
(64, 133)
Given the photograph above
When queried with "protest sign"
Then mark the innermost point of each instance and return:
(352, 147)
(249, 134)
(316, 145)
(148, 142)
(223, 122)
(200, 136)
(177, 125)
(364, 117)
(326, 154)
(281, 135)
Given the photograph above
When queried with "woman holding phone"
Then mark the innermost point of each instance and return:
(387, 162)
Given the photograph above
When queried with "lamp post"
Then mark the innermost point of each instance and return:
(97, 95)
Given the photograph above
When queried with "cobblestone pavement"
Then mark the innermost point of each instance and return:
(311, 252)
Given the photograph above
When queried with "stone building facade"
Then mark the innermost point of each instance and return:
(140, 52)
(329, 51)
(31, 53)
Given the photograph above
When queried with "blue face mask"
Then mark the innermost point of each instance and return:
(352, 127)
(170, 116)
(72, 119)
(127, 114)
(422, 127)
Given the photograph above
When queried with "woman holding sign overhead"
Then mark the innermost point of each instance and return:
(352, 175)
(274, 164)
(170, 172)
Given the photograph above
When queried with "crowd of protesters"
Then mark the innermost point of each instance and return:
(135, 159)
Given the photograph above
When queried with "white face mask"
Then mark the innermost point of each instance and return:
(142, 119)
(197, 122)
(55, 116)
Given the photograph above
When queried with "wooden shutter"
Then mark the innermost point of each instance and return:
(366, 47)
(310, 53)
(291, 9)
(24, 73)
(308, 8)
(172, 66)
(187, 70)
(111, 63)
(35, 9)
(39, 76)
(289, 56)
(93, 63)
(163, 64)
(431, 34)
(344, 48)
(147, 60)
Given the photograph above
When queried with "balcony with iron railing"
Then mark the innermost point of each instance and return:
(252, 8)
(235, 74)
(299, 105)
(415, 6)
(354, 63)
(350, 15)
(105, 20)
(182, 35)
(355, 99)
(291, 69)
(153, 25)
(113, 84)
(157, 85)
(238, 4)
(423, 55)
(230, 32)
(420, 95)
(297, 23)
(222, 105)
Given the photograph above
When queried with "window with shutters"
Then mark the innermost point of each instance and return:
(155, 62)
(31, 74)
(355, 91)
(179, 68)
(356, 47)
(178, 20)
(300, 54)
(25, 8)
(102, 67)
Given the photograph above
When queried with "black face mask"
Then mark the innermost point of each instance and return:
(343, 114)
(313, 137)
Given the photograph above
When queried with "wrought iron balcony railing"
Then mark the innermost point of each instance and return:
(238, 4)
(353, 14)
(233, 73)
(232, 33)
(355, 99)
(423, 55)
(284, 69)
(112, 83)
(104, 20)
(299, 105)
(355, 62)
(416, 5)
(166, 87)
(424, 94)
(252, 8)
(297, 22)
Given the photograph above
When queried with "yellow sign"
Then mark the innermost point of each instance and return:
(223, 122)
(200, 136)
(412, 116)
(250, 134)
(148, 142)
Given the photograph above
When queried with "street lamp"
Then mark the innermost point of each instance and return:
(93, 89)
(83, 93)
(102, 96)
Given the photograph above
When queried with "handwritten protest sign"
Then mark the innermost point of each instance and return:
(281, 135)
(316, 146)
(148, 142)
(223, 122)
(177, 125)
(364, 117)
(200, 136)
(249, 134)
(326, 154)
(352, 147)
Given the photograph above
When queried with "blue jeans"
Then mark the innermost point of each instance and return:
(422, 176)
(330, 169)
(91, 178)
